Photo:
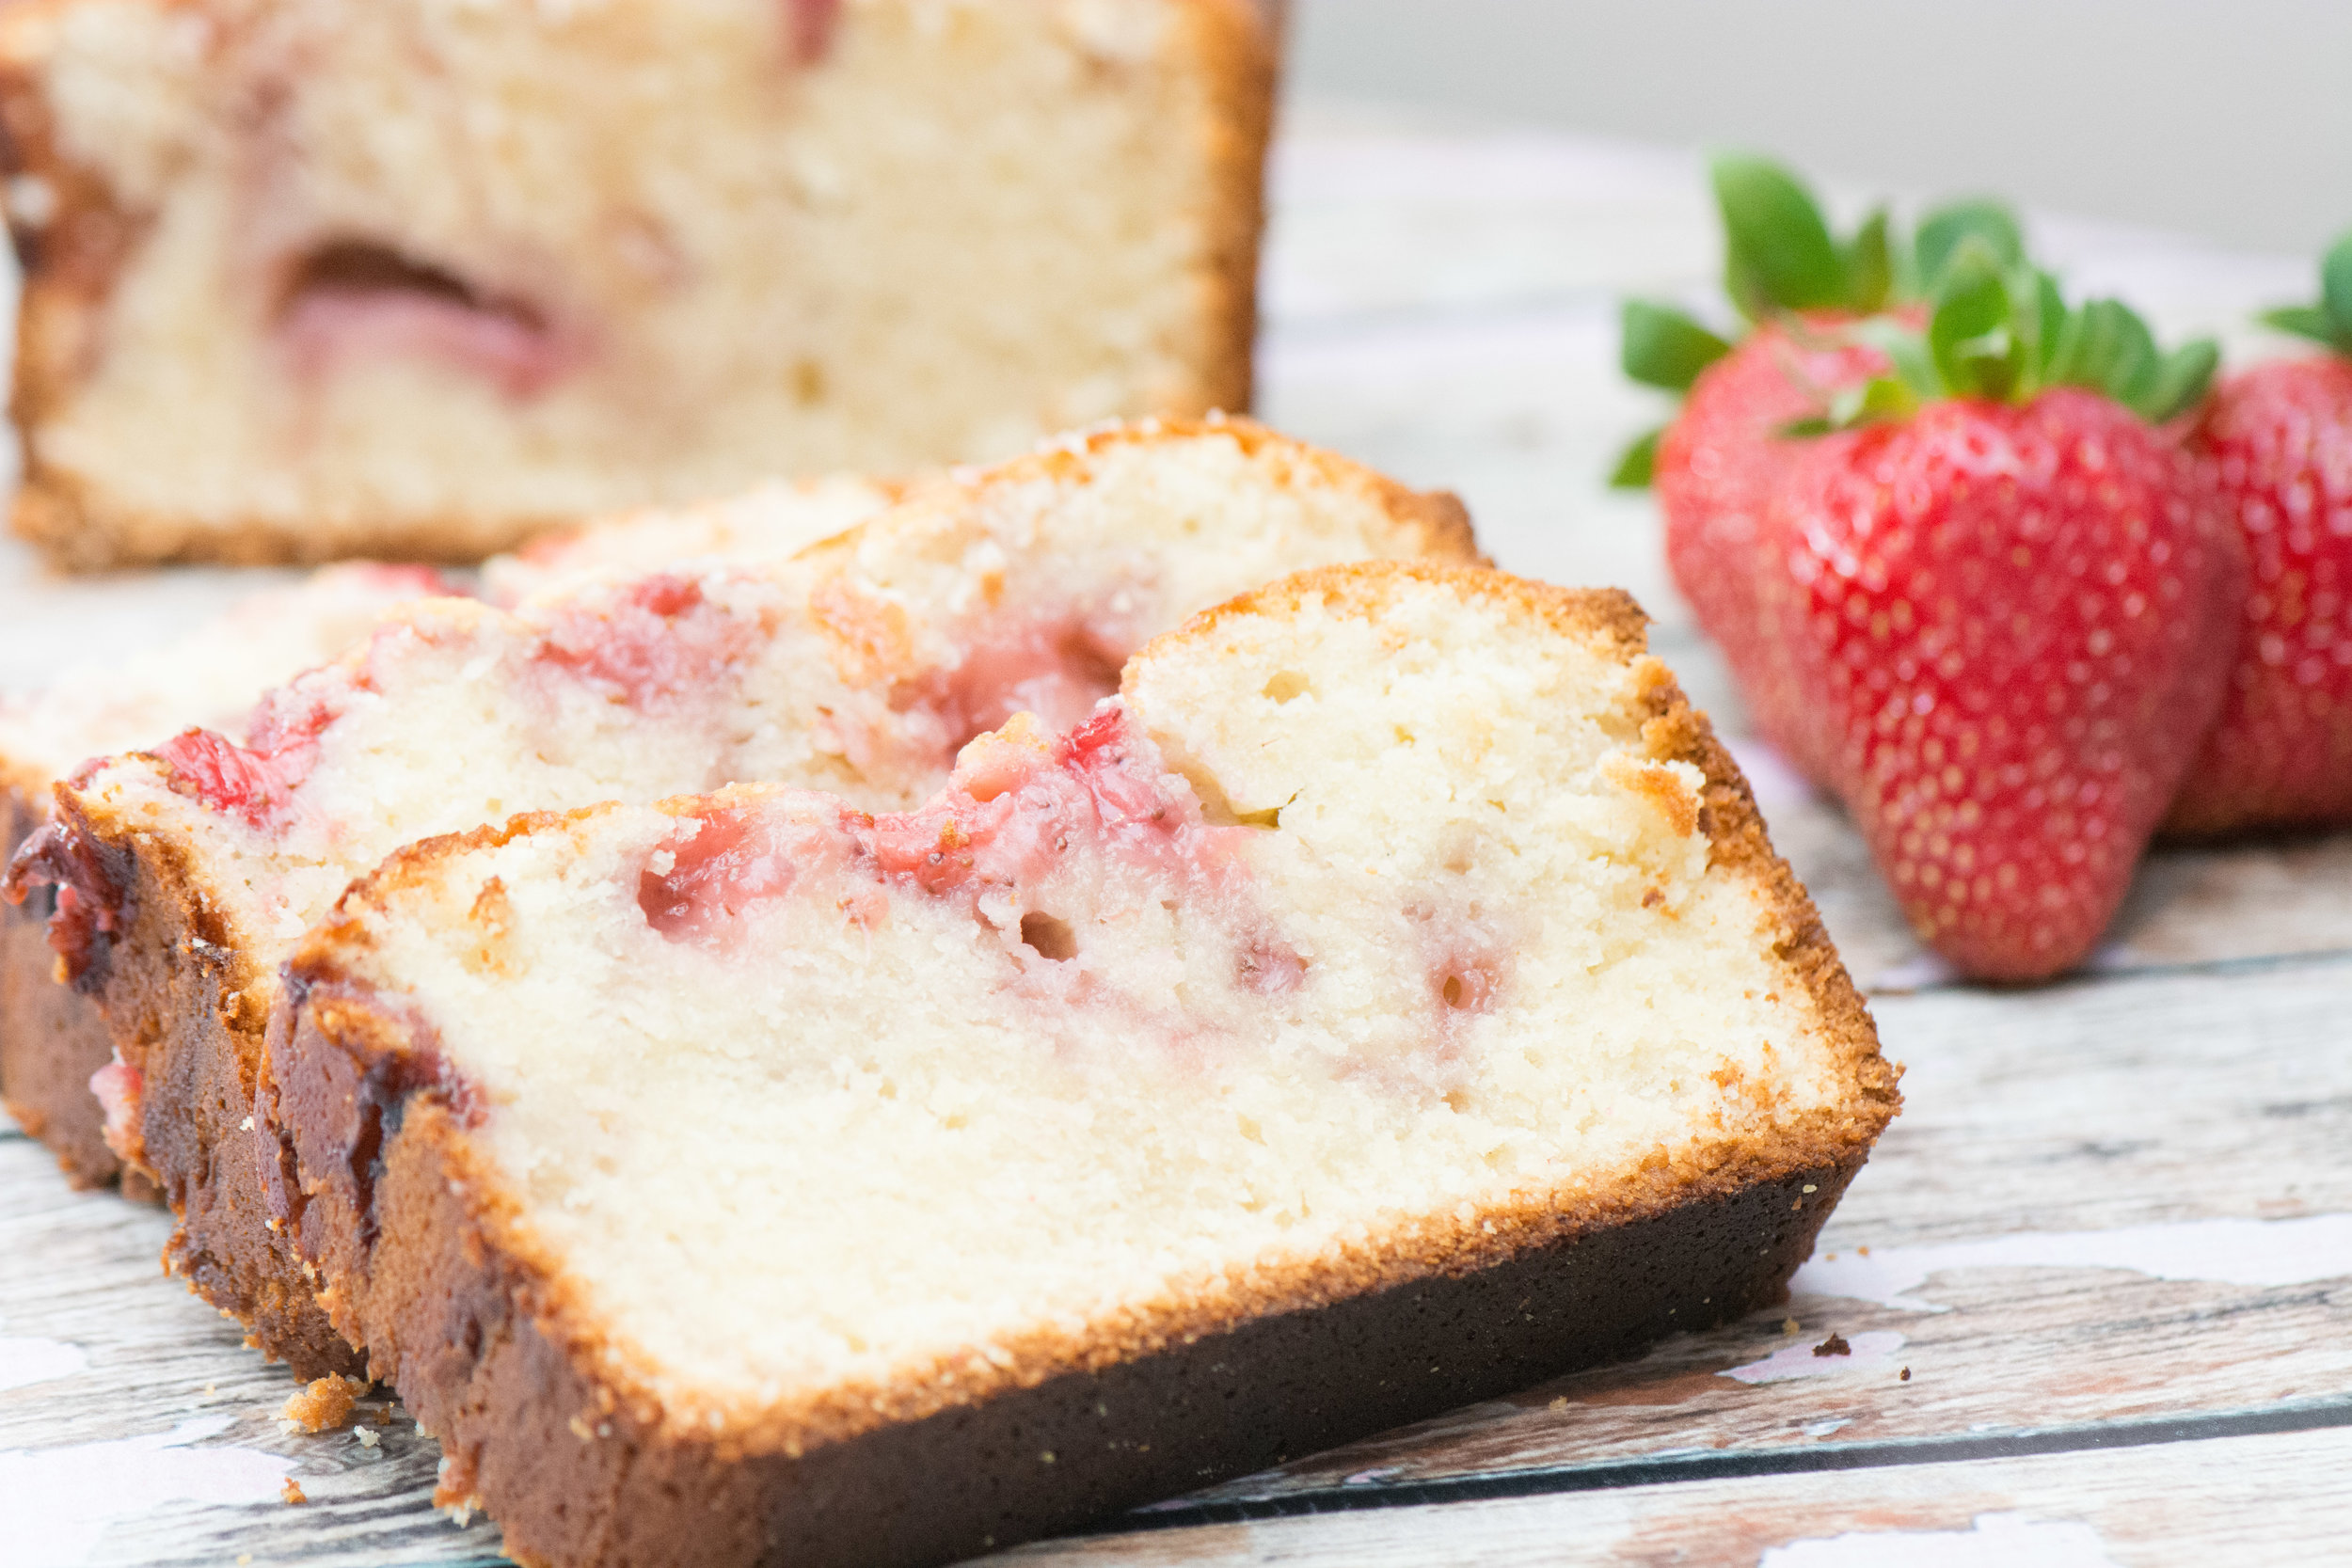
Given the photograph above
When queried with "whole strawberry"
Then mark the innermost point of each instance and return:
(1716, 465)
(2006, 607)
(2277, 440)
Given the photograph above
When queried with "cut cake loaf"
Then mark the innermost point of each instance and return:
(310, 278)
(1390, 1001)
(859, 666)
(52, 1039)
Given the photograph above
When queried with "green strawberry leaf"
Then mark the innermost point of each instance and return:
(1973, 335)
(1778, 253)
(2308, 320)
(2049, 324)
(2107, 348)
(2335, 287)
(1662, 347)
(1637, 462)
(1943, 232)
(1869, 262)
(2180, 381)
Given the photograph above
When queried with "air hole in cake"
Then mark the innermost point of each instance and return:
(1270, 967)
(1049, 935)
(353, 301)
(1285, 685)
(1468, 988)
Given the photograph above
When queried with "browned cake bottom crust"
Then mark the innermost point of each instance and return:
(180, 1010)
(492, 1354)
(52, 1037)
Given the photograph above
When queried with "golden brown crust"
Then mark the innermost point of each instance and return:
(431, 1262)
(52, 1037)
(1438, 523)
(68, 265)
(77, 530)
(186, 1008)
(1239, 48)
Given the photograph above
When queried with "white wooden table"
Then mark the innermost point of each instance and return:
(2096, 1283)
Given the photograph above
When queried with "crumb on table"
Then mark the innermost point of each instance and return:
(322, 1404)
(293, 1492)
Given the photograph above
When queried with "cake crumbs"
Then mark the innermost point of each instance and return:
(1791, 1326)
(320, 1406)
(1834, 1345)
(291, 1492)
(1904, 1376)
(1559, 1403)
(366, 1436)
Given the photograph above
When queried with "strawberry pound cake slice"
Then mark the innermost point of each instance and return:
(859, 666)
(1389, 1000)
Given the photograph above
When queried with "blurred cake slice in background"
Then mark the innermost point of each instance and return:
(315, 278)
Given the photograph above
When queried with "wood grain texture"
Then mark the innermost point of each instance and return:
(1443, 305)
(2244, 1502)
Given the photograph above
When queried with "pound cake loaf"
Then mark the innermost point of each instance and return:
(859, 666)
(311, 279)
(1391, 1000)
(52, 1039)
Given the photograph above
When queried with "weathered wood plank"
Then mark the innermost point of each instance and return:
(2241, 1502)
(156, 1438)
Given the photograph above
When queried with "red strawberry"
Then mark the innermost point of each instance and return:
(2012, 626)
(1717, 467)
(2277, 440)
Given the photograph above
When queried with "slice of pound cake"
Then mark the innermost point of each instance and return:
(309, 279)
(859, 666)
(1391, 1000)
(53, 1038)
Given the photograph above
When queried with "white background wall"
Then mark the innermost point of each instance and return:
(2229, 119)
